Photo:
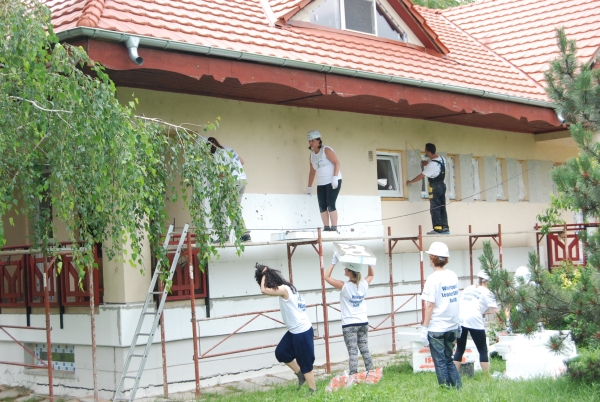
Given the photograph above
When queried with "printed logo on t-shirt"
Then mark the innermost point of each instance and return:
(301, 303)
(450, 291)
(356, 300)
(470, 295)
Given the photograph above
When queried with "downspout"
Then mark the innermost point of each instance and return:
(132, 44)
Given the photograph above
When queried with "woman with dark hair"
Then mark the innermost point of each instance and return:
(326, 166)
(355, 325)
(228, 156)
(441, 326)
(297, 348)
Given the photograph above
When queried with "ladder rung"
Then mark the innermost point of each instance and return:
(137, 355)
(156, 293)
(131, 376)
(144, 334)
(121, 399)
(150, 313)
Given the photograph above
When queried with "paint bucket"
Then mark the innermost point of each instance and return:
(467, 369)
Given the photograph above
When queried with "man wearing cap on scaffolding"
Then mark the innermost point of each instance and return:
(325, 165)
(441, 326)
(474, 302)
(435, 171)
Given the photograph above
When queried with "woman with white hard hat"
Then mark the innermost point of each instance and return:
(474, 302)
(326, 166)
(441, 325)
(355, 325)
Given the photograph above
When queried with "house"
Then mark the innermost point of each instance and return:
(378, 79)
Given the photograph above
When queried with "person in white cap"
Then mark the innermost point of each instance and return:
(355, 324)
(441, 327)
(326, 166)
(474, 302)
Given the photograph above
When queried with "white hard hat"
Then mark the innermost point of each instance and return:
(312, 134)
(483, 275)
(352, 266)
(523, 273)
(438, 248)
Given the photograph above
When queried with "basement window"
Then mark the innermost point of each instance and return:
(63, 356)
(389, 174)
(366, 16)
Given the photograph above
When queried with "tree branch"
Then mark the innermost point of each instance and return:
(37, 106)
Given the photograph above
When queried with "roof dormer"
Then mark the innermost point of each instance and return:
(395, 20)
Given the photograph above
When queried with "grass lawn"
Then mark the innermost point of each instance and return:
(400, 384)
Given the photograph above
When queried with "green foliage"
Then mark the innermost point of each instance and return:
(107, 174)
(441, 4)
(586, 366)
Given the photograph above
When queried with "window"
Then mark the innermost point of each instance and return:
(451, 176)
(424, 181)
(327, 14)
(521, 177)
(63, 356)
(389, 174)
(366, 16)
(475, 176)
(499, 181)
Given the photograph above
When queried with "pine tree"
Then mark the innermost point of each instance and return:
(569, 297)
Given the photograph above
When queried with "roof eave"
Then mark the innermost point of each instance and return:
(165, 44)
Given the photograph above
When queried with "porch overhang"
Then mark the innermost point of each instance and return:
(295, 84)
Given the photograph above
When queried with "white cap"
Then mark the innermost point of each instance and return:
(312, 134)
(438, 248)
(523, 273)
(483, 275)
(352, 266)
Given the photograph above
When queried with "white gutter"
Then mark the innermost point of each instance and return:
(166, 44)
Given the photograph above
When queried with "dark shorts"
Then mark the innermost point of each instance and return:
(327, 196)
(297, 346)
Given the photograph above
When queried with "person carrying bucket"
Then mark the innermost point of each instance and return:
(474, 302)
(441, 326)
(297, 347)
(353, 306)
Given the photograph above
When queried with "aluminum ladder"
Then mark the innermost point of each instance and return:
(155, 314)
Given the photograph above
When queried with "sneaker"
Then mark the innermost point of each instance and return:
(333, 228)
(312, 391)
(246, 237)
(326, 228)
(445, 232)
(435, 232)
(301, 379)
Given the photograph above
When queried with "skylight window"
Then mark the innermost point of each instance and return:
(366, 16)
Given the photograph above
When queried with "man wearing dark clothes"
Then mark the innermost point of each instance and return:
(435, 171)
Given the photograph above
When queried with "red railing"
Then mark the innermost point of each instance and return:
(22, 280)
(563, 243)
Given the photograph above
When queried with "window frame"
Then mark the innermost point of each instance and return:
(478, 193)
(451, 162)
(396, 162)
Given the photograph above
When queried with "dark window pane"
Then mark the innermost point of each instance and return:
(386, 30)
(359, 15)
(327, 14)
(385, 172)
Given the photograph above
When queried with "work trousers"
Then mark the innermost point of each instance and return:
(441, 345)
(437, 206)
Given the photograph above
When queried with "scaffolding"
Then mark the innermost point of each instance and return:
(562, 237)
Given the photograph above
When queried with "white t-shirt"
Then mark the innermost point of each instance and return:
(323, 166)
(433, 169)
(441, 288)
(234, 161)
(474, 302)
(353, 304)
(293, 311)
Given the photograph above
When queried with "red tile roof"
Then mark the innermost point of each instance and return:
(523, 31)
(242, 25)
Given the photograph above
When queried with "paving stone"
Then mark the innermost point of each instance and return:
(216, 390)
(268, 380)
(248, 386)
(287, 375)
(9, 393)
